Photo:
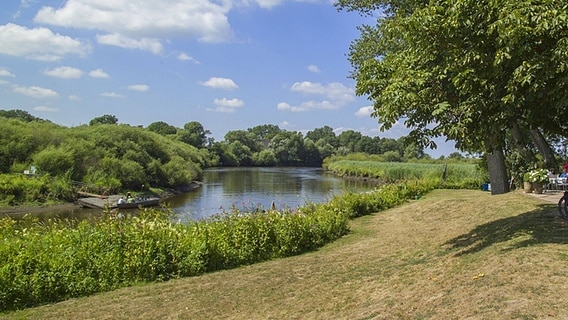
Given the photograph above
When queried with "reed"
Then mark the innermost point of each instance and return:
(445, 175)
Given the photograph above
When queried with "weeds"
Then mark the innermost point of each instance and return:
(49, 261)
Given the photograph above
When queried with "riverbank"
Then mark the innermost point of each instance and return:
(18, 211)
(451, 254)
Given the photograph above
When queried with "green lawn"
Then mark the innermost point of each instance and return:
(452, 254)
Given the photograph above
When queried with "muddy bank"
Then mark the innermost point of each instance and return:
(16, 211)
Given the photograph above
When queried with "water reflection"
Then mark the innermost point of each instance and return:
(251, 188)
(241, 188)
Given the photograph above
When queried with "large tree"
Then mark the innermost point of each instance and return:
(194, 134)
(104, 119)
(469, 70)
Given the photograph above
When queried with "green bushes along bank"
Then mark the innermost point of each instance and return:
(42, 262)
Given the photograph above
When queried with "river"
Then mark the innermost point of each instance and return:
(257, 188)
(246, 189)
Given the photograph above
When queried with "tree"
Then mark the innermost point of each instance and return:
(288, 148)
(242, 153)
(162, 128)
(324, 133)
(19, 114)
(194, 134)
(466, 69)
(245, 137)
(350, 139)
(265, 132)
(105, 119)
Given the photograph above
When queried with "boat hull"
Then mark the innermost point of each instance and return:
(139, 203)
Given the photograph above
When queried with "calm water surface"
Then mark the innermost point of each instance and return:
(251, 188)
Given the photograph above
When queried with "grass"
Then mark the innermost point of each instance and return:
(453, 254)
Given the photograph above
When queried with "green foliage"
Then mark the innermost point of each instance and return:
(53, 161)
(162, 128)
(18, 189)
(474, 68)
(42, 262)
(193, 134)
(537, 176)
(358, 204)
(445, 175)
(109, 157)
(105, 119)
(20, 115)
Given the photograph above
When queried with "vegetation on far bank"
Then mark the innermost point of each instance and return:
(457, 174)
(105, 157)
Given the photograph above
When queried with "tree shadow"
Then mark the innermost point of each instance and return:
(543, 225)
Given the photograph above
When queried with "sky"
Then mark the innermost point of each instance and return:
(228, 64)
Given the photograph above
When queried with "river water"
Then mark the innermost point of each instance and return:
(246, 189)
(258, 188)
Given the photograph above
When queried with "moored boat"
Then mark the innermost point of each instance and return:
(139, 203)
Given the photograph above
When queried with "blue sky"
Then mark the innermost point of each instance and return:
(229, 64)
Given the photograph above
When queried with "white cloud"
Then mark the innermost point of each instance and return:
(27, 3)
(364, 112)
(144, 44)
(45, 109)
(314, 68)
(74, 98)
(220, 83)
(111, 95)
(308, 105)
(286, 107)
(6, 73)
(335, 91)
(98, 73)
(64, 72)
(138, 87)
(36, 92)
(201, 19)
(38, 43)
(184, 57)
(334, 96)
(268, 4)
(232, 103)
(227, 105)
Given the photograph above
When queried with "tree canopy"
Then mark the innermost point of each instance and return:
(470, 70)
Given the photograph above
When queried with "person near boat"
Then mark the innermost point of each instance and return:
(129, 198)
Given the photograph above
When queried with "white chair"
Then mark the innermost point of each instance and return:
(552, 183)
(561, 183)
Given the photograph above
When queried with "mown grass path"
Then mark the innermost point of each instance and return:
(453, 254)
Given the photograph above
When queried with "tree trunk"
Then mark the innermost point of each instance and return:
(544, 149)
(497, 171)
(520, 141)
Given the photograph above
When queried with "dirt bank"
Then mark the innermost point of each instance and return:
(69, 207)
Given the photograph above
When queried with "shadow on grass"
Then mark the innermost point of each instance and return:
(542, 225)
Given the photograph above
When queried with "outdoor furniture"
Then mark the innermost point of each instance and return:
(561, 183)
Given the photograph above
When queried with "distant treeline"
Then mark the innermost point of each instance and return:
(120, 156)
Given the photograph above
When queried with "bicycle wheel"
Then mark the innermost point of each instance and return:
(563, 206)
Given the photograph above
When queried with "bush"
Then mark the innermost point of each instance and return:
(42, 262)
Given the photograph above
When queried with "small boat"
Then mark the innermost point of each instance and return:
(139, 203)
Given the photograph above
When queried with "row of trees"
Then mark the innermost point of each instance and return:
(268, 145)
(490, 75)
(123, 156)
(109, 154)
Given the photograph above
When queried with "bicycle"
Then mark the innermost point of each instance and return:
(563, 206)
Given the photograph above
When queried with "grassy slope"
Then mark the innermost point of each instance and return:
(452, 254)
